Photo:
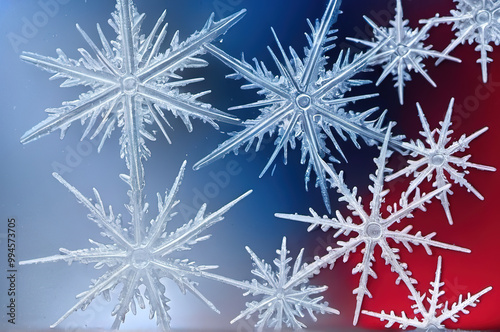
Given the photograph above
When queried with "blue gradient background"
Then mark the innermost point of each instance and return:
(49, 217)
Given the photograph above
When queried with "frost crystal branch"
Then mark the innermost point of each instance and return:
(403, 52)
(304, 103)
(373, 229)
(143, 259)
(437, 158)
(475, 21)
(284, 296)
(130, 82)
(431, 320)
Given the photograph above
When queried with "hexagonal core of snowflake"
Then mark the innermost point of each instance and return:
(483, 17)
(402, 50)
(129, 84)
(437, 159)
(140, 258)
(303, 101)
(373, 230)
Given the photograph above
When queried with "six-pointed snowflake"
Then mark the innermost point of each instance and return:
(437, 313)
(284, 296)
(439, 157)
(304, 103)
(475, 21)
(373, 229)
(142, 259)
(403, 52)
(130, 82)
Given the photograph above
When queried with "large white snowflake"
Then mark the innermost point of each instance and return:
(440, 157)
(130, 81)
(143, 258)
(305, 102)
(433, 317)
(403, 52)
(284, 296)
(373, 229)
(475, 21)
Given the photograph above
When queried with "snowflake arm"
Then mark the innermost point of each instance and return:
(131, 67)
(141, 255)
(436, 156)
(404, 50)
(372, 229)
(285, 295)
(474, 21)
(431, 318)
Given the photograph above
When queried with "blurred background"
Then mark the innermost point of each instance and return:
(48, 217)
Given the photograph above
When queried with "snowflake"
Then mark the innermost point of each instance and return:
(284, 296)
(373, 229)
(131, 83)
(475, 21)
(437, 158)
(143, 259)
(431, 321)
(304, 103)
(403, 52)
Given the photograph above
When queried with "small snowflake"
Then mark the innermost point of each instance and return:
(475, 21)
(440, 158)
(131, 83)
(144, 259)
(373, 229)
(285, 296)
(305, 102)
(403, 52)
(431, 319)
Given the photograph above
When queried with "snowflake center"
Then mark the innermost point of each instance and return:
(303, 101)
(140, 258)
(129, 84)
(373, 230)
(280, 295)
(402, 50)
(483, 17)
(438, 159)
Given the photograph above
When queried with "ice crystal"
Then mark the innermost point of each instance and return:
(142, 259)
(131, 83)
(431, 319)
(403, 52)
(475, 21)
(437, 156)
(284, 296)
(305, 102)
(373, 229)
